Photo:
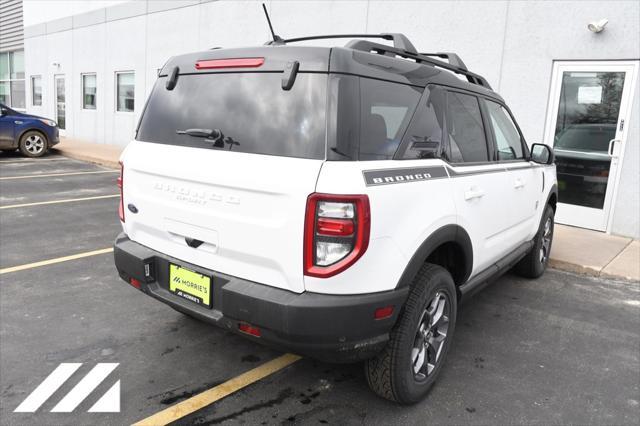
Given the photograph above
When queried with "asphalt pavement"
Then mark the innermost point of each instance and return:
(563, 349)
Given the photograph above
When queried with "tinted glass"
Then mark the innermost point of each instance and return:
(425, 134)
(126, 91)
(587, 121)
(508, 140)
(18, 94)
(36, 91)
(385, 111)
(251, 111)
(89, 91)
(467, 142)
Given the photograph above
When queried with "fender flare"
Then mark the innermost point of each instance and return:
(445, 234)
(553, 191)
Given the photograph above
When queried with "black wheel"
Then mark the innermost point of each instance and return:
(33, 144)
(535, 262)
(410, 363)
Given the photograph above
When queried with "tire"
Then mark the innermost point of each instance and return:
(33, 144)
(392, 373)
(535, 262)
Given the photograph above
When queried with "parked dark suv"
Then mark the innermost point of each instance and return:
(31, 134)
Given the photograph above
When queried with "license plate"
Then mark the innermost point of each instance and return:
(190, 285)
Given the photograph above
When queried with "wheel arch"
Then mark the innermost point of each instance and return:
(449, 235)
(552, 198)
(32, 129)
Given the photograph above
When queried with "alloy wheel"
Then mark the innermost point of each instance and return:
(34, 144)
(546, 241)
(431, 335)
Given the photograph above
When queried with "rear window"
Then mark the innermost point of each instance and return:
(250, 110)
(368, 117)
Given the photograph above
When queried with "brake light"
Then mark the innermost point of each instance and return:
(336, 233)
(120, 185)
(229, 63)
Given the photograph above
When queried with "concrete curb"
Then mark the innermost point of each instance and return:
(90, 159)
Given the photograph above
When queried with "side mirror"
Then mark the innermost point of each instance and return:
(542, 154)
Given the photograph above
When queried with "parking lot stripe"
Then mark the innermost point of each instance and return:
(56, 260)
(197, 402)
(58, 174)
(70, 200)
(38, 160)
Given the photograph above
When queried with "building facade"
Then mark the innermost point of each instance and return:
(567, 69)
(12, 83)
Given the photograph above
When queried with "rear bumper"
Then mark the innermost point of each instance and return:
(332, 328)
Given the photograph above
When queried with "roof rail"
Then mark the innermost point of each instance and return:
(400, 41)
(455, 64)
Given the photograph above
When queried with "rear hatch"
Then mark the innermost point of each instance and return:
(224, 161)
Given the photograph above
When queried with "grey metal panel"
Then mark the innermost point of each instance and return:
(35, 30)
(126, 10)
(160, 5)
(11, 31)
(93, 17)
(61, 24)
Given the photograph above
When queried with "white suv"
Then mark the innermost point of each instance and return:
(335, 202)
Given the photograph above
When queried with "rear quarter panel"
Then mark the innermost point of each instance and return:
(403, 215)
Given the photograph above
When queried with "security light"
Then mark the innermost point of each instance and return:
(597, 26)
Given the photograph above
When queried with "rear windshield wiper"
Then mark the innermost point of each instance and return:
(201, 133)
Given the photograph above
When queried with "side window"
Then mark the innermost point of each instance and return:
(467, 141)
(508, 141)
(425, 134)
(385, 111)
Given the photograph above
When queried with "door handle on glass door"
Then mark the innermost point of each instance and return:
(519, 183)
(612, 146)
(473, 193)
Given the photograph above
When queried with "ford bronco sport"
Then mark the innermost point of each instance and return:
(337, 202)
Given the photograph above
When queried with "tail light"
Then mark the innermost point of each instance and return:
(120, 185)
(229, 63)
(336, 233)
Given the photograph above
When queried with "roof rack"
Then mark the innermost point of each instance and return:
(401, 47)
(400, 41)
(455, 64)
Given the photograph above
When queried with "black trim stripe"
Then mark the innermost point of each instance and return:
(403, 175)
(380, 177)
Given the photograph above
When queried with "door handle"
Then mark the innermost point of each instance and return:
(473, 193)
(17, 122)
(612, 145)
(519, 183)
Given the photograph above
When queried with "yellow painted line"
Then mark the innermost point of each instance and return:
(53, 261)
(71, 200)
(197, 402)
(58, 174)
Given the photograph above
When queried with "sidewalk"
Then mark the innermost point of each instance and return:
(97, 153)
(574, 249)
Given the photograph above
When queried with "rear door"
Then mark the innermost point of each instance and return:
(233, 201)
(479, 186)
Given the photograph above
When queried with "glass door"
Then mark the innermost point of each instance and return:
(60, 102)
(589, 108)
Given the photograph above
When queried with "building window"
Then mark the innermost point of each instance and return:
(36, 90)
(125, 83)
(88, 91)
(12, 92)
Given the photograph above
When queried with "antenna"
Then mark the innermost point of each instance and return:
(276, 39)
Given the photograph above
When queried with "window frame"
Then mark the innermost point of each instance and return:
(31, 80)
(11, 81)
(116, 86)
(487, 136)
(82, 92)
(523, 143)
